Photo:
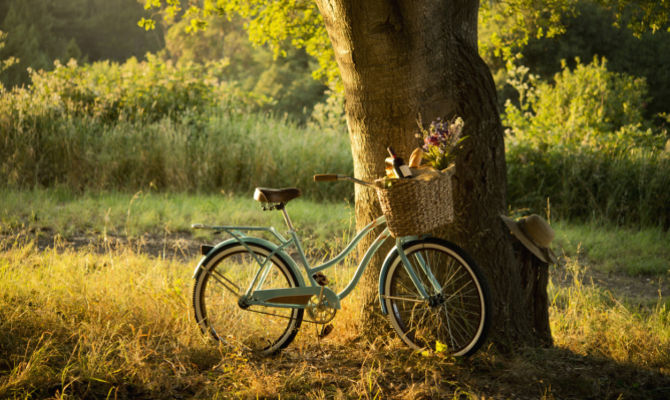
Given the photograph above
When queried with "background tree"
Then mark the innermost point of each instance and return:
(287, 79)
(592, 31)
(41, 31)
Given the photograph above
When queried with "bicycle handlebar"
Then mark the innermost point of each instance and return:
(337, 177)
(326, 177)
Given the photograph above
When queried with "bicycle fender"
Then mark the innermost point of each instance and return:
(382, 274)
(250, 240)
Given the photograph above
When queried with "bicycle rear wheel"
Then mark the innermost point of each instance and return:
(455, 318)
(218, 311)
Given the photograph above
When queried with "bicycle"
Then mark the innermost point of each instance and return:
(249, 292)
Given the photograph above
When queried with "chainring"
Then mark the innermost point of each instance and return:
(320, 312)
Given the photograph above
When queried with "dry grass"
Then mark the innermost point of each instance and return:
(118, 324)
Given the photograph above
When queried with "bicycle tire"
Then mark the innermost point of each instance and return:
(218, 312)
(456, 323)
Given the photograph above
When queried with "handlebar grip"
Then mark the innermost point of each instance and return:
(325, 177)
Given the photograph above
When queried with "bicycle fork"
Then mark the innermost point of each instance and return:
(423, 267)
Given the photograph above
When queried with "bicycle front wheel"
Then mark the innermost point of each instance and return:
(219, 311)
(455, 317)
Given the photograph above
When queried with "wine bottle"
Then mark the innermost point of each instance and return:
(400, 169)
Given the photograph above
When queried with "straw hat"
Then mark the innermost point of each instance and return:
(535, 233)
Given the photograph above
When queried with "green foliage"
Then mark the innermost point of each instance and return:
(329, 114)
(593, 32)
(642, 15)
(27, 25)
(41, 31)
(583, 143)
(286, 79)
(279, 24)
(133, 91)
(9, 61)
(588, 105)
(507, 26)
(584, 183)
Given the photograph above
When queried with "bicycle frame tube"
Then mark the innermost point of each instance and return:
(410, 270)
(350, 247)
(257, 282)
(381, 238)
(364, 263)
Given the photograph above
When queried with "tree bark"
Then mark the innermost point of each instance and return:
(404, 59)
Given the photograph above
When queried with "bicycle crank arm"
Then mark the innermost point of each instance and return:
(292, 297)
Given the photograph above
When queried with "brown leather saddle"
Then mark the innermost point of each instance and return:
(268, 195)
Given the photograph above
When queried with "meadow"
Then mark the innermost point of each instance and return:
(96, 293)
(102, 177)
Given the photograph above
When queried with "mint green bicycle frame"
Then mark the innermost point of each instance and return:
(253, 295)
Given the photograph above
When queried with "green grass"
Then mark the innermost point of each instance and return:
(213, 152)
(60, 212)
(605, 248)
(618, 250)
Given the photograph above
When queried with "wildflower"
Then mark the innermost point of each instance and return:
(440, 141)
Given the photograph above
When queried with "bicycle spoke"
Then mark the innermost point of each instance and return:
(456, 316)
(456, 327)
(219, 278)
(216, 300)
(472, 289)
(415, 300)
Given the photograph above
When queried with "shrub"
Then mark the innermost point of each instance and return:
(582, 144)
(133, 91)
(588, 106)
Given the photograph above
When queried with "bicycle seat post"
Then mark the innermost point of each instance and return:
(282, 207)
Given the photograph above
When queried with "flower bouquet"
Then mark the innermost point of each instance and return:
(440, 142)
(424, 202)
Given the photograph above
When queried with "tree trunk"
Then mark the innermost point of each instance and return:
(404, 59)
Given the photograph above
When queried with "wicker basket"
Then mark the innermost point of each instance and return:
(419, 205)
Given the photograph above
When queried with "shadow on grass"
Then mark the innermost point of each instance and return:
(354, 370)
(561, 373)
(361, 371)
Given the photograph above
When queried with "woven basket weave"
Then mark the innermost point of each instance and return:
(416, 206)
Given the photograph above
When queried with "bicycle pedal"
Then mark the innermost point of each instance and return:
(325, 331)
(320, 279)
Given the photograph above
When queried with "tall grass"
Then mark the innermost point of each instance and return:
(118, 324)
(591, 321)
(221, 151)
(581, 183)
